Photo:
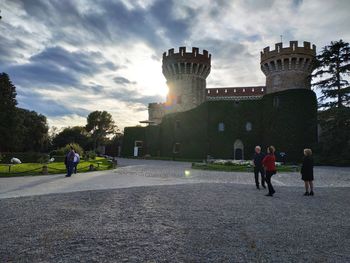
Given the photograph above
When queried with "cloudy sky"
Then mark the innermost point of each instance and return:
(68, 58)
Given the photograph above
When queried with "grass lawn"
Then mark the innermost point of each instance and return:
(238, 168)
(24, 169)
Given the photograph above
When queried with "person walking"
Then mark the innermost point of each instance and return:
(307, 172)
(70, 161)
(258, 167)
(75, 162)
(270, 166)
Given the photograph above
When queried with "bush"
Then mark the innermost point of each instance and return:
(90, 155)
(64, 150)
(25, 157)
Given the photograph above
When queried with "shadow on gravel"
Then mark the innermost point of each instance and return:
(47, 179)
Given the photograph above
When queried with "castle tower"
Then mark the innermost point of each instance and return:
(186, 75)
(155, 112)
(289, 67)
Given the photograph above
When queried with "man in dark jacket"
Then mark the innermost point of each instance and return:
(70, 161)
(258, 167)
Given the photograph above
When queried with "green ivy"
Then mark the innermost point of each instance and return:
(285, 119)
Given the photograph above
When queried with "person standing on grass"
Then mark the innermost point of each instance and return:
(258, 167)
(70, 161)
(307, 172)
(75, 162)
(270, 166)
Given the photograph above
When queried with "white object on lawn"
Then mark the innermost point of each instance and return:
(15, 160)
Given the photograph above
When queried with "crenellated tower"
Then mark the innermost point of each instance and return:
(186, 74)
(155, 112)
(288, 67)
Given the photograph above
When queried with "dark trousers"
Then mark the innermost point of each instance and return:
(70, 168)
(75, 164)
(260, 170)
(269, 174)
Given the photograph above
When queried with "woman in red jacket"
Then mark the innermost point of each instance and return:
(269, 164)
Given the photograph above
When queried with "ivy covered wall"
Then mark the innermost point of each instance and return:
(290, 122)
(285, 119)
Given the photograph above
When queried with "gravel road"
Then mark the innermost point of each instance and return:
(209, 219)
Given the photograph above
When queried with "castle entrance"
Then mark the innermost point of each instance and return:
(238, 150)
(138, 148)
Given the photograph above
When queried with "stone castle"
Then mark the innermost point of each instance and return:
(195, 121)
(186, 72)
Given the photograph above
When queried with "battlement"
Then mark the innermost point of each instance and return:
(292, 49)
(155, 105)
(192, 64)
(186, 57)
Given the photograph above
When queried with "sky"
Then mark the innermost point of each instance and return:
(68, 58)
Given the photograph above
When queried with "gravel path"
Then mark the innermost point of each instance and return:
(132, 173)
(210, 219)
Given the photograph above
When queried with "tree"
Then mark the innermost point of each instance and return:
(333, 63)
(100, 124)
(69, 135)
(335, 136)
(8, 117)
(113, 145)
(33, 131)
(20, 129)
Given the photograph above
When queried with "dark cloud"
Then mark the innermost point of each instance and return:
(41, 75)
(224, 54)
(128, 95)
(47, 106)
(110, 22)
(176, 29)
(95, 89)
(10, 49)
(57, 66)
(79, 62)
(123, 81)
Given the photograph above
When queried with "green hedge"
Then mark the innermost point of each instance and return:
(24, 157)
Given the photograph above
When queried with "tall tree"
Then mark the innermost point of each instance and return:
(100, 124)
(33, 131)
(332, 71)
(8, 116)
(334, 146)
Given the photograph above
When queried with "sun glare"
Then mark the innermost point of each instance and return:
(149, 77)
